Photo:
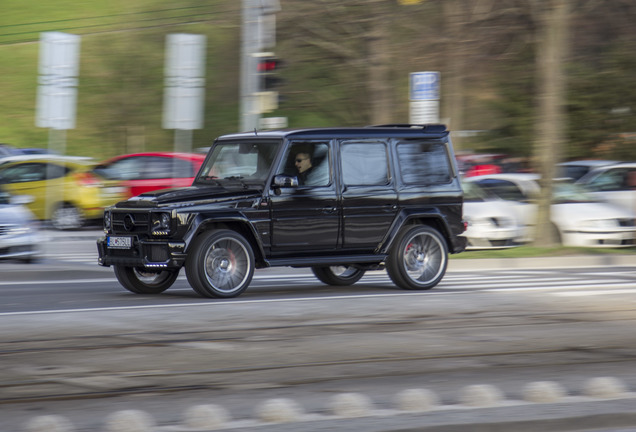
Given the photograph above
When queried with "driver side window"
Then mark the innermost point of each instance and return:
(308, 161)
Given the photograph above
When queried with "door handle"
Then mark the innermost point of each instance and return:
(328, 210)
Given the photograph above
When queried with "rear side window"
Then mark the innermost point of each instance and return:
(163, 167)
(424, 163)
(364, 163)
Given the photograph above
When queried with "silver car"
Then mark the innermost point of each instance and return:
(18, 229)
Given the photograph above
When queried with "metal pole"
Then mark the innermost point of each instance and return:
(249, 116)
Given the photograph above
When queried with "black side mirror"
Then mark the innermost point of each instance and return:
(282, 180)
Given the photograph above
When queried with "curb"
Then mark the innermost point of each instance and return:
(460, 264)
(604, 402)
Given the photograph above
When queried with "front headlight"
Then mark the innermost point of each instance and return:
(161, 223)
(107, 221)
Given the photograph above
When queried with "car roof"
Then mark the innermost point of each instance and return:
(183, 155)
(589, 163)
(619, 165)
(389, 130)
(506, 176)
(46, 158)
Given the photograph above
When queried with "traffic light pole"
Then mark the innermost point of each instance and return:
(251, 43)
(258, 32)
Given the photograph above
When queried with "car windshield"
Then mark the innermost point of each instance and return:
(475, 193)
(566, 192)
(247, 161)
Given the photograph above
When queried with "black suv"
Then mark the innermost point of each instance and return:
(338, 200)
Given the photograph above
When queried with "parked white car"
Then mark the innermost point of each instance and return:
(578, 218)
(492, 223)
(615, 184)
(577, 169)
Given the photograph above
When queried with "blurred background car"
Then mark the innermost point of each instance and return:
(145, 172)
(615, 184)
(19, 236)
(577, 169)
(577, 218)
(64, 189)
(492, 222)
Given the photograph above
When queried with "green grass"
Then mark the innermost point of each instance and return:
(533, 252)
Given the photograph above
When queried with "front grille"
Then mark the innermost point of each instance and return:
(4, 229)
(130, 222)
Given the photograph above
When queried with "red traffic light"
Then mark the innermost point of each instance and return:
(268, 65)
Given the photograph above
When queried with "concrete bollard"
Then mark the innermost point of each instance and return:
(49, 423)
(416, 400)
(604, 388)
(206, 417)
(480, 395)
(351, 405)
(130, 421)
(279, 411)
(543, 392)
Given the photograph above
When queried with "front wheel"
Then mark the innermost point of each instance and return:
(220, 264)
(338, 275)
(141, 281)
(418, 258)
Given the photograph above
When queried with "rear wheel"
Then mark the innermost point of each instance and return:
(338, 275)
(142, 281)
(220, 264)
(67, 216)
(418, 258)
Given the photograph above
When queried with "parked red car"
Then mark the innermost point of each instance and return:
(144, 172)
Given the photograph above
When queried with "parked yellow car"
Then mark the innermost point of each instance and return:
(65, 190)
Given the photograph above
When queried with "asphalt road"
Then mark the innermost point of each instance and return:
(74, 343)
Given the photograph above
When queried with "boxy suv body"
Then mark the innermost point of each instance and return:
(338, 200)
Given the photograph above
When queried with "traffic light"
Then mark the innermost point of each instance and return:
(268, 68)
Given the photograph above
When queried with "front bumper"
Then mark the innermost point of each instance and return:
(150, 254)
(19, 246)
(609, 239)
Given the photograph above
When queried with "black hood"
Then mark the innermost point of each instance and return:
(190, 195)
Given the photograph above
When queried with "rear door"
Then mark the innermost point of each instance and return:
(369, 197)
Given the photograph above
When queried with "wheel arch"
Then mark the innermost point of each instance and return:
(434, 220)
(237, 224)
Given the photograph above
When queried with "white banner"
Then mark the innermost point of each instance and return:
(57, 81)
(184, 94)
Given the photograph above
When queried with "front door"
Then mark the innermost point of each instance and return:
(305, 218)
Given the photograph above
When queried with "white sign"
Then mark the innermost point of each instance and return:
(424, 112)
(424, 85)
(184, 94)
(57, 81)
(273, 123)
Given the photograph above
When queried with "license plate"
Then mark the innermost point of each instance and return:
(119, 242)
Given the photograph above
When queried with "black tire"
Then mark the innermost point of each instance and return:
(67, 217)
(220, 263)
(338, 275)
(418, 258)
(142, 281)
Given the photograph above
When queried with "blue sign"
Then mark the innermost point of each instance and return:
(425, 86)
